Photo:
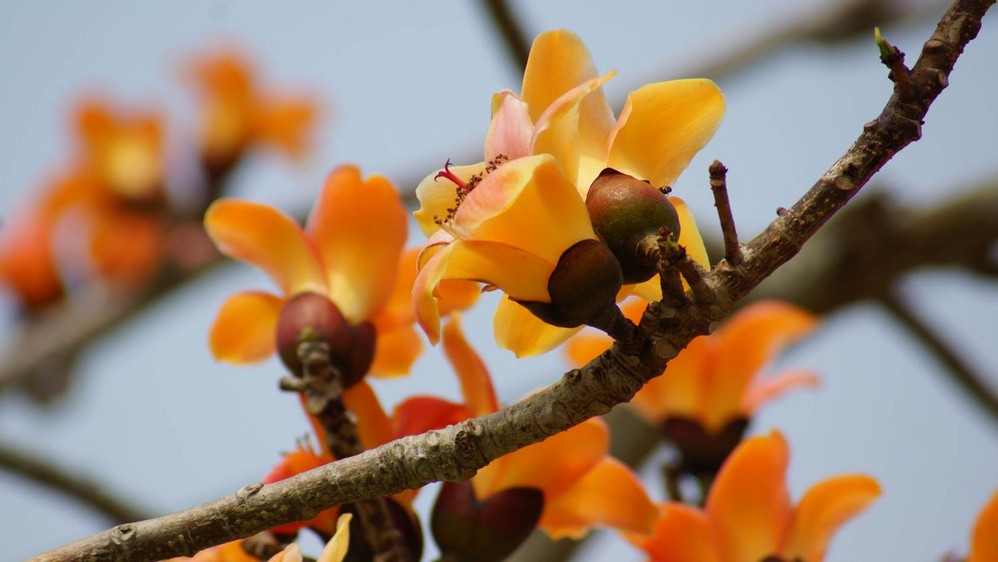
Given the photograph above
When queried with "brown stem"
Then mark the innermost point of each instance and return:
(510, 29)
(960, 372)
(719, 186)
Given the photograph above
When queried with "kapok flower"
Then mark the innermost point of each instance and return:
(339, 257)
(563, 130)
(27, 261)
(748, 516)
(582, 486)
(984, 540)
(237, 115)
(709, 392)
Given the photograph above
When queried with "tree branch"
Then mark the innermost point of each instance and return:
(83, 491)
(458, 451)
(513, 37)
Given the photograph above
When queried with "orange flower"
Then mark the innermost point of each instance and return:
(124, 153)
(27, 263)
(714, 380)
(339, 255)
(984, 540)
(507, 220)
(748, 516)
(583, 487)
(238, 116)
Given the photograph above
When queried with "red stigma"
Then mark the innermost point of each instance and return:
(446, 173)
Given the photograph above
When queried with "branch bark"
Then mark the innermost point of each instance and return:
(457, 452)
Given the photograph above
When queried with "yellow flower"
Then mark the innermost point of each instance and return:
(506, 221)
(748, 516)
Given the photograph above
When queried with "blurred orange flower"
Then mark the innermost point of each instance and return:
(748, 516)
(27, 264)
(559, 134)
(237, 115)
(984, 540)
(583, 487)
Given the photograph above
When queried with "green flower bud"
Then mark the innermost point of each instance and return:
(624, 211)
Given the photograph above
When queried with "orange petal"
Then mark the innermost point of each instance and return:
(127, 248)
(511, 129)
(437, 195)
(558, 62)
(265, 237)
(517, 272)
(358, 228)
(682, 534)
(823, 509)
(662, 126)
(336, 548)
(764, 390)
(420, 414)
(984, 541)
(476, 384)
(586, 346)
(609, 495)
(748, 502)
(577, 138)
(526, 335)
(285, 124)
(27, 263)
(679, 390)
(552, 465)
(373, 425)
(529, 204)
(245, 329)
(396, 351)
(745, 344)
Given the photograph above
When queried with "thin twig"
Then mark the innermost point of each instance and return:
(458, 451)
(719, 187)
(84, 491)
(511, 31)
(960, 372)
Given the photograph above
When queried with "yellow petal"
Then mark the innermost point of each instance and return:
(662, 126)
(336, 548)
(609, 495)
(689, 235)
(437, 195)
(518, 273)
(359, 228)
(984, 541)
(558, 62)
(476, 383)
(748, 502)
(529, 204)
(526, 335)
(764, 390)
(291, 553)
(576, 134)
(552, 466)
(373, 425)
(822, 510)
(265, 237)
(750, 339)
(511, 128)
(395, 352)
(682, 534)
(245, 329)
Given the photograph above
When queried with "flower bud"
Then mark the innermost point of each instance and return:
(470, 530)
(624, 210)
(311, 315)
(583, 287)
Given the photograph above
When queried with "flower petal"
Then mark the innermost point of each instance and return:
(609, 495)
(822, 510)
(358, 228)
(336, 548)
(420, 414)
(558, 62)
(518, 330)
(291, 553)
(511, 128)
(551, 466)
(984, 541)
(265, 237)
(575, 134)
(518, 273)
(284, 124)
(682, 534)
(662, 126)
(373, 424)
(764, 390)
(529, 204)
(745, 344)
(395, 352)
(476, 383)
(679, 391)
(689, 237)
(245, 329)
(437, 195)
(748, 502)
